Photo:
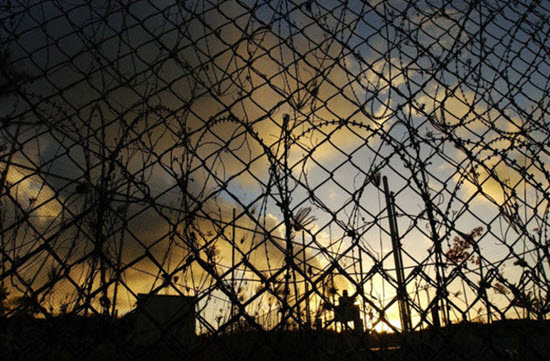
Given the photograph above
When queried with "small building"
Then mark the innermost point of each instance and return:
(160, 318)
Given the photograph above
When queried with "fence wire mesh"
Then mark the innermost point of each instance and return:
(274, 179)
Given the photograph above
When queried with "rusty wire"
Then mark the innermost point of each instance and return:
(261, 157)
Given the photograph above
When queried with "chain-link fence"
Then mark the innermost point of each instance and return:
(283, 179)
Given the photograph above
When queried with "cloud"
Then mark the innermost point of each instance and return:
(30, 196)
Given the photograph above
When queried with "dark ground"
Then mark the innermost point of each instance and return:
(65, 338)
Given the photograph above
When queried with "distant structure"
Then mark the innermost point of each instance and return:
(163, 317)
(347, 311)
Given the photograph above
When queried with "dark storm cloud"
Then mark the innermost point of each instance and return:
(127, 100)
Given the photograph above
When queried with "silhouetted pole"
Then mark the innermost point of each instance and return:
(404, 311)
(233, 245)
(362, 283)
(285, 205)
(296, 295)
(306, 286)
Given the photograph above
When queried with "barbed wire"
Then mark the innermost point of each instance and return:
(191, 178)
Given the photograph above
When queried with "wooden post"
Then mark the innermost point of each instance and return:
(404, 311)
(233, 245)
(362, 283)
(306, 285)
(296, 295)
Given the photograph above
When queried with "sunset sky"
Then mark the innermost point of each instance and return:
(157, 111)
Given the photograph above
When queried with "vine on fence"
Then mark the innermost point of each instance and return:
(265, 158)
